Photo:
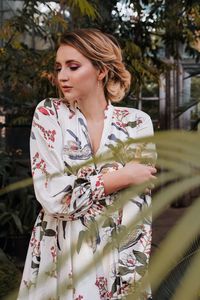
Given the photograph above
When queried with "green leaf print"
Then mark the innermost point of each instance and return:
(132, 124)
(125, 270)
(50, 232)
(34, 265)
(48, 103)
(141, 257)
(81, 237)
(141, 270)
(43, 224)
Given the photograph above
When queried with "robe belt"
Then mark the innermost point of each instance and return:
(63, 217)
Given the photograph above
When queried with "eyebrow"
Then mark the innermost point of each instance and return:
(68, 61)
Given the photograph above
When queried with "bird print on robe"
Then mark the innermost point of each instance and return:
(74, 150)
(75, 200)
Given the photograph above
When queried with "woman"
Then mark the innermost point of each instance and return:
(66, 133)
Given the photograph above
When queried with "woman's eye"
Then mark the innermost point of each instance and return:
(57, 69)
(73, 68)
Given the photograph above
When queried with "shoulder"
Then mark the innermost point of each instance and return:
(132, 114)
(137, 122)
(52, 108)
(49, 106)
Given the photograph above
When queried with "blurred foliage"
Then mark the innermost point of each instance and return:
(147, 30)
(179, 165)
(9, 275)
(151, 31)
(18, 209)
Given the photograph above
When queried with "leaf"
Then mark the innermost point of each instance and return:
(36, 115)
(112, 137)
(43, 224)
(141, 257)
(34, 265)
(141, 270)
(49, 232)
(108, 223)
(43, 111)
(132, 124)
(85, 8)
(17, 222)
(33, 135)
(125, 270)
(48, 103)
(82, 235)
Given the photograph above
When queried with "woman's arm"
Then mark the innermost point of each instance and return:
(58, 192)
(131, 174)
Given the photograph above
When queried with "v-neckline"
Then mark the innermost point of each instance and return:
(106, 128)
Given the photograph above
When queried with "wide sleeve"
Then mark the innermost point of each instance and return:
(144, 125)
(57, 191)
(146, 151)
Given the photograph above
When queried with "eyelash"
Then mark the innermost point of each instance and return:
(71, 68)
(74, 68)
(57, 70)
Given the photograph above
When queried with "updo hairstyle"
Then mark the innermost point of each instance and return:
(104, 52)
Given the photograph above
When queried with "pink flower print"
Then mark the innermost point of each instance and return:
(49, 135)
(80, 297)
(35, 157)
(44, 111)
(68, 200)
(53, 253)
(101, 283)
(39, 164)
(35, 244)
(139, 121)
(57, 103)
(98, 183)
(120, 114)
(131, 262)
(85, 171)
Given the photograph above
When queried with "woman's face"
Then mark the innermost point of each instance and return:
(76, 75)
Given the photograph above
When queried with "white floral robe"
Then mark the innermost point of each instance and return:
(73, 200)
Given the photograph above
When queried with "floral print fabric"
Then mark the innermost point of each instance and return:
(73, 200)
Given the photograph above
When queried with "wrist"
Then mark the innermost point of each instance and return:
(115, 181)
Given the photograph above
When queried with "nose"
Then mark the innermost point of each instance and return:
(63, 75)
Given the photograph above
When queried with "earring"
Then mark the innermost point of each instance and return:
(98, 84)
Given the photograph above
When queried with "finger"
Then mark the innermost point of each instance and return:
(147, 191)
(153, 170)
(153, 177)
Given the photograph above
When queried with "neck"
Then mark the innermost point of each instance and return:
(93, 107)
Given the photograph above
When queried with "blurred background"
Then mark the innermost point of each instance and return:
(161, 47)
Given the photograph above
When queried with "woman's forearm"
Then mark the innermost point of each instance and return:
(114, 181)
(131, 174)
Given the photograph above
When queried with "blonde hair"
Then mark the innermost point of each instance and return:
(104, 52)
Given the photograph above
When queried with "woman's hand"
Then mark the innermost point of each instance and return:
(137, 173)
(133, 173)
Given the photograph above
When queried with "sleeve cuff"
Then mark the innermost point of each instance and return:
(97, 187)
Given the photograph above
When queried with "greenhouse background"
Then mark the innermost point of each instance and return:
(161, 46)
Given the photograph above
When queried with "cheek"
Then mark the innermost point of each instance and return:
(86, 76)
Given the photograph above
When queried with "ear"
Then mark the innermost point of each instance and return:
(102, 73)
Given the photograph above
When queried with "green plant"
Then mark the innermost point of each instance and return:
(178, 157)
(18, 209)
(9, 275)
(17, 214)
